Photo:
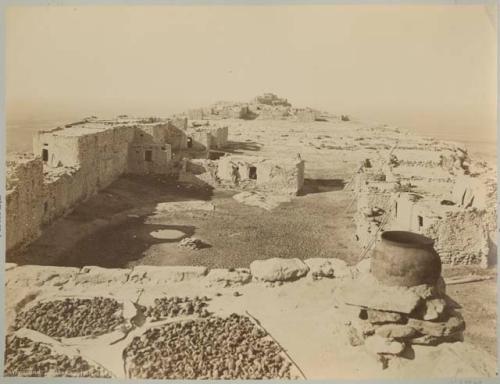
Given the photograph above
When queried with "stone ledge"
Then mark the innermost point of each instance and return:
(38, 275)
(146, 274)
(100, 275)
(227, 277)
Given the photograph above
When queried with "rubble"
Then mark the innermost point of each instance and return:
(191, 243)
(395, 314)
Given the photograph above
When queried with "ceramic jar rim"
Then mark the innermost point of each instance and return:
(407, 239)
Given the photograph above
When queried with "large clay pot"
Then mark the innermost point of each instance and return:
(405, 259)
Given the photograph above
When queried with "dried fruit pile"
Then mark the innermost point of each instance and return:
(177, 306)
(24, 357)
(72, 317)
(212, 348)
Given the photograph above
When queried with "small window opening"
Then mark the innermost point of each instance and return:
(45, 154)
(252, 173)
(45, 207)
(148, 155)
(420, 222)
(163, 148)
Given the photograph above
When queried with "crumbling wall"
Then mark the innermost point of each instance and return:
(288, 178)
(461, 235)
(461, 238)
(23, 194)
(372, 209)
(306, 115)
(62, 191)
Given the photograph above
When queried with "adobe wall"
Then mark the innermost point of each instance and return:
(160, 157)
(24, 188)
(461, 238)
(62, 150)
(288, 178)
(103, 156)
(461, 235)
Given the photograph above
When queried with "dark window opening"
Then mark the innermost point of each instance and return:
(163, 148)
(45, 154)
(420, 222)
(148, 155)
(396, 209)
(252, 173)
(45, 207)
(190, 142)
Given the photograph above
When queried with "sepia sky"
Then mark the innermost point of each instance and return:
(432, 67)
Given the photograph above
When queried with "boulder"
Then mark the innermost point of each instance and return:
(277, 269)
(381, 345)
(327, 267)
(227, 277)
(434, 308)
(395, 331)
(153, 275)
(99, 275)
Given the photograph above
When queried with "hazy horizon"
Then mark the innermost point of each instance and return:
(428, 68)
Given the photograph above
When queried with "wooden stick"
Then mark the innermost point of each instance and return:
(466, 279)
(279, 345)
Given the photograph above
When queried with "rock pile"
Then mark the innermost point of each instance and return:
(191, 243)
(213, 348)
(72, 317)
(166, 307)
(392, 318)
(24, 357)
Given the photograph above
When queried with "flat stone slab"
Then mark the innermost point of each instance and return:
(381, 317)
(369, 293)
(455, 323)
(154, 275)
(278, 269)
(379, 344)
(395, 331)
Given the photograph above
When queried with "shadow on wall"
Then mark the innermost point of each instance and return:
(238, 146)
(321, 185)
(102, 231)
(492, 255)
